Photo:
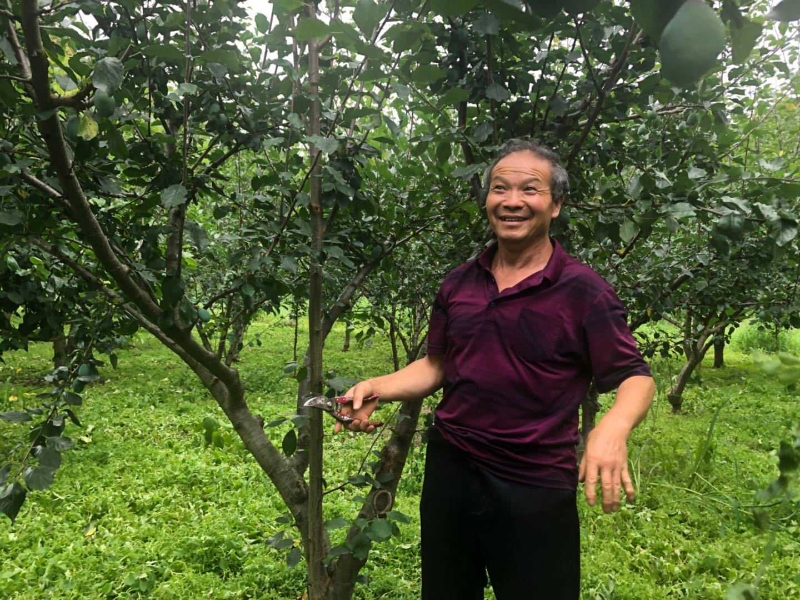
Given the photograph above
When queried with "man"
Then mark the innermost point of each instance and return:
(515, 338)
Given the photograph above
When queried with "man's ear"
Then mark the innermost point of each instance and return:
(557, 208)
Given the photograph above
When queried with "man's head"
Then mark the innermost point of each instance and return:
(525, 187)
(559, 180)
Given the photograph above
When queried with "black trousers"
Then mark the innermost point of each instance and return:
(527, 538)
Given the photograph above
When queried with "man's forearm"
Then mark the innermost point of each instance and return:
(419, 379)
(634, 397)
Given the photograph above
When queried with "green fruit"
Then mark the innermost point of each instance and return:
(693, 119)
(691, 42)
(653, 15)
(104, 104)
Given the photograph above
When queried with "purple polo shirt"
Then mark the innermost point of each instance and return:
(518, 364)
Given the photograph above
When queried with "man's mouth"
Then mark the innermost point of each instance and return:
(512, 219)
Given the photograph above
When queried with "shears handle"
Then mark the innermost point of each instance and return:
(347, 419)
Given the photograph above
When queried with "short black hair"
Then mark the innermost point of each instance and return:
(559, 179)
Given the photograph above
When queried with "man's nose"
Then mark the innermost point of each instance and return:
(513, 199)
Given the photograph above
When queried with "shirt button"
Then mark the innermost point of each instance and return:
(492, 304)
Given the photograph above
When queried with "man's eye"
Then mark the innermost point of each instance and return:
(498, 188)
(531, 190)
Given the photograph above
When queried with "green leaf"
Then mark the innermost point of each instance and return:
(680, 210)
(789, 359)
(8, 51)
(785, 231)
(335, 553)
(39, 478)
(87, 127)
(12, 218)
(468, 171)
(731, 225)
(294, 557)
(360, 546)
(368, 14)
(59, 443)
(328, 145)
(11, 500)
(116, 143)
(170, 53)
(108, 74)
(221, 56)
(48, 457)
(72, 399)
(173, 196)
(425, 74)
(262, 23)
(381, 529)
(289, 443)
(788, 10)
(487, 24)
(452, 8)
(691, 42)
(454, 96)
(397, 516)
(15, 416)
(4, 473)
(653, 15)
(497, 92)
(310, 28)
(628, 231)
(744, 36)
(336, 523)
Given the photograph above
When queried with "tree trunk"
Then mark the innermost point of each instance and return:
(319, 583)
(719, 353)
(60, 353)
(688, 344)
(675, 395)
(393, 340)
(347, 330)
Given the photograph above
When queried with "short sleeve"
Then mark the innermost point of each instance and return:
(613, 352)
(437, 327)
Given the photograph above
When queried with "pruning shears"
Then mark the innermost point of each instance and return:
(333, 405)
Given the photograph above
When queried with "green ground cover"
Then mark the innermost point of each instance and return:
(142, 508)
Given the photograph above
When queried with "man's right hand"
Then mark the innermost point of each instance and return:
(359, 409)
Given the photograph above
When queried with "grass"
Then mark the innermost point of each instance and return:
(142, 508)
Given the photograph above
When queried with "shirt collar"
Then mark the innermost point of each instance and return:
(552, 270)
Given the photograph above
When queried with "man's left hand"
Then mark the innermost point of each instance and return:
(605, 460)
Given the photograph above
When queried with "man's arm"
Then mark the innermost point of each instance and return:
(606, 456)
(419, 379)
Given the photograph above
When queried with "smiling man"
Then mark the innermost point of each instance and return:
(516, 337)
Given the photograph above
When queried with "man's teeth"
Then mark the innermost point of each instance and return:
(514, 219)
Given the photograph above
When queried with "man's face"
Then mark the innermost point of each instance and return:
(519, 204)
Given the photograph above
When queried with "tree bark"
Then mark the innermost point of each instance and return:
(719, 353)
(319, 583)
(347, 332)
(60, 351)
(675, 395)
